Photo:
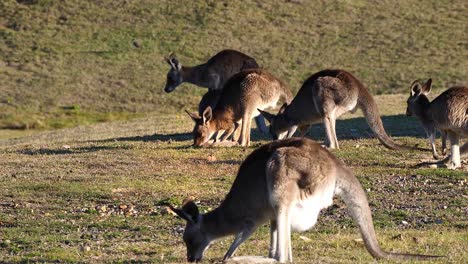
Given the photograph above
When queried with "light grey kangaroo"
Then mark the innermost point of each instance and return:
(286, 183)
(242, 95)
(324, 97)
(447, 113)
(213, 75)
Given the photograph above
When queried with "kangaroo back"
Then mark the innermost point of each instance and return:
(240, 98)
(450, 110)
(226, 64)
(213, 74)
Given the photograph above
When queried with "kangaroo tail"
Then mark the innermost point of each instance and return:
(350, 191)
(367, 104)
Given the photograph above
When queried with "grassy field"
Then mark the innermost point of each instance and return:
(91, 147)
(94, 193)
(64, 63)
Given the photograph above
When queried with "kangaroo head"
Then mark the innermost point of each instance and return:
(417, 101)
(195, 237)
(174, 76)
(202, 131)
(279, 125)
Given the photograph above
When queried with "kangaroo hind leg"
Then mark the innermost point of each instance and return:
(455, 150)
(330, 123)
(283, 243)
(245, 129)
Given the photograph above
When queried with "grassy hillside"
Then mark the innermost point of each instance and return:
(64, 63)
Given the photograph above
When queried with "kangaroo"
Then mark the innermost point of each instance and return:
(213, 75)
(286, 182)
(324, 97)
(447, 113)
(242, 95)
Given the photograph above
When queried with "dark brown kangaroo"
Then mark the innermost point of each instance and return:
(324, 97)
(286, 183)
(213, 75)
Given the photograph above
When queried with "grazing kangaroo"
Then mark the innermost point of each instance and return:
(213, 75)
(324, 97)
(242, 95)
(286, 182)
(447, 113)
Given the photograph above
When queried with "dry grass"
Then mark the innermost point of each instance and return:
(93, 192)
(55, 184)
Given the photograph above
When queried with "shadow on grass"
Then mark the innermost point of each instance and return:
(155, 137)
(353, 128)
(227, 162)
(64, 151)
(357, 128)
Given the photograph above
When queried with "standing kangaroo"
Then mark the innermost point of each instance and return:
(213, 75)
(242, 95)
(285, 182)
(324, 97)
(447, 113)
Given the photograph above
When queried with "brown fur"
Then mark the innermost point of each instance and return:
(324, 97)
(447, 113)
(240, 98)
(270, 181)
(213, 75)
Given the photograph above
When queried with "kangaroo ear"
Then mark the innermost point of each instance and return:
(191, 209)
(173, 61)
(426, 88)
(266, 115)
(168, 59)
(195, 117)
(184, 214)
(207, 114)
(416, 88)
(283, 108)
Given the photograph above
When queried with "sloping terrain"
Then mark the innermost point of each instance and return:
(64, 63)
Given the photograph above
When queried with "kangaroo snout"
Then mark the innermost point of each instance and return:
(169, 89)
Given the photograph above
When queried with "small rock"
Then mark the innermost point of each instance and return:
(404, 222)
(123, 207)
(136, 43)
(249, 259)
(306, 239)
(211, 158)
(85, 248)
(66, 147)
(101, 208)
